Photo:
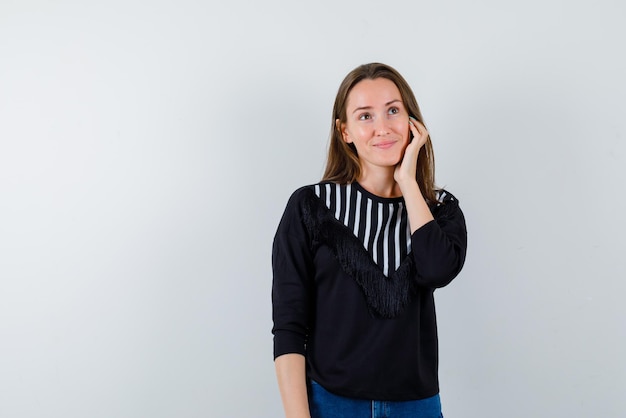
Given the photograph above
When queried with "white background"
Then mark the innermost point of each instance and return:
(147, 150)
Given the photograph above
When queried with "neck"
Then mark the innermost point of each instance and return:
(381, 183)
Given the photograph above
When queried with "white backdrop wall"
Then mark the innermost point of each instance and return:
(147, 150)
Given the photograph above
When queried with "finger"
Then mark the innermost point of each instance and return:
(420, 137)
(419, 126)
(413, 128)
(412, 148)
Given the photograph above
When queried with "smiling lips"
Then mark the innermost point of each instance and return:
(384, 144)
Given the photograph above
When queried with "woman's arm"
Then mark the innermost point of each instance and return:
(417, 209)
(292, 265)
(438, 247)
(290, 372)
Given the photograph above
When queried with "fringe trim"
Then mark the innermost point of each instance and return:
(386, 297)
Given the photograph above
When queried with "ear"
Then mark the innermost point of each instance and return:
(341, 127)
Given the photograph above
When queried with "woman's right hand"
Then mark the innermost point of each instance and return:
(406, 170)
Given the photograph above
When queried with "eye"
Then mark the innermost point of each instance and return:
(365, 116)
(394, 110)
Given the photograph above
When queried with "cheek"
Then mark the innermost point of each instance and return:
(360, 129)
(404, 130)
(359, 134)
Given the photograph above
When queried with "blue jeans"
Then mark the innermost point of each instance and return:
(324, 404)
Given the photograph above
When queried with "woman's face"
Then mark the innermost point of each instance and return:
(377, 123)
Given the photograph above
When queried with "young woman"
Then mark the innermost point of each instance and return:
(356, 260)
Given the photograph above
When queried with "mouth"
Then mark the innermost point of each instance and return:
(384, 144)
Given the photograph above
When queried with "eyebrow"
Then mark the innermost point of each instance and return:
(369, 107)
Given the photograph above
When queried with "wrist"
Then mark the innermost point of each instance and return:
(406, 184)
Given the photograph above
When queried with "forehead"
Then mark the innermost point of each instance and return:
(372, 93)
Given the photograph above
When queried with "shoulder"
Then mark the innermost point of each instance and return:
(303, 194)
(447, 205)
(303, 210)
(302, 200)
(315, 192)
(445, 197)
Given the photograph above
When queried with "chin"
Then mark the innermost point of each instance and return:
(391, 163)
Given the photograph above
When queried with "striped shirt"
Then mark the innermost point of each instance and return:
(380, 224)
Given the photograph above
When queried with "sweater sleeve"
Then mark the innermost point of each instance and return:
(292, 275)
(439, 247)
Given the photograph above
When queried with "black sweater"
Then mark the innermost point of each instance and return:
(364, 334)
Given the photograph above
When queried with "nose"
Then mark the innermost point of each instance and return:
(380, 127)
